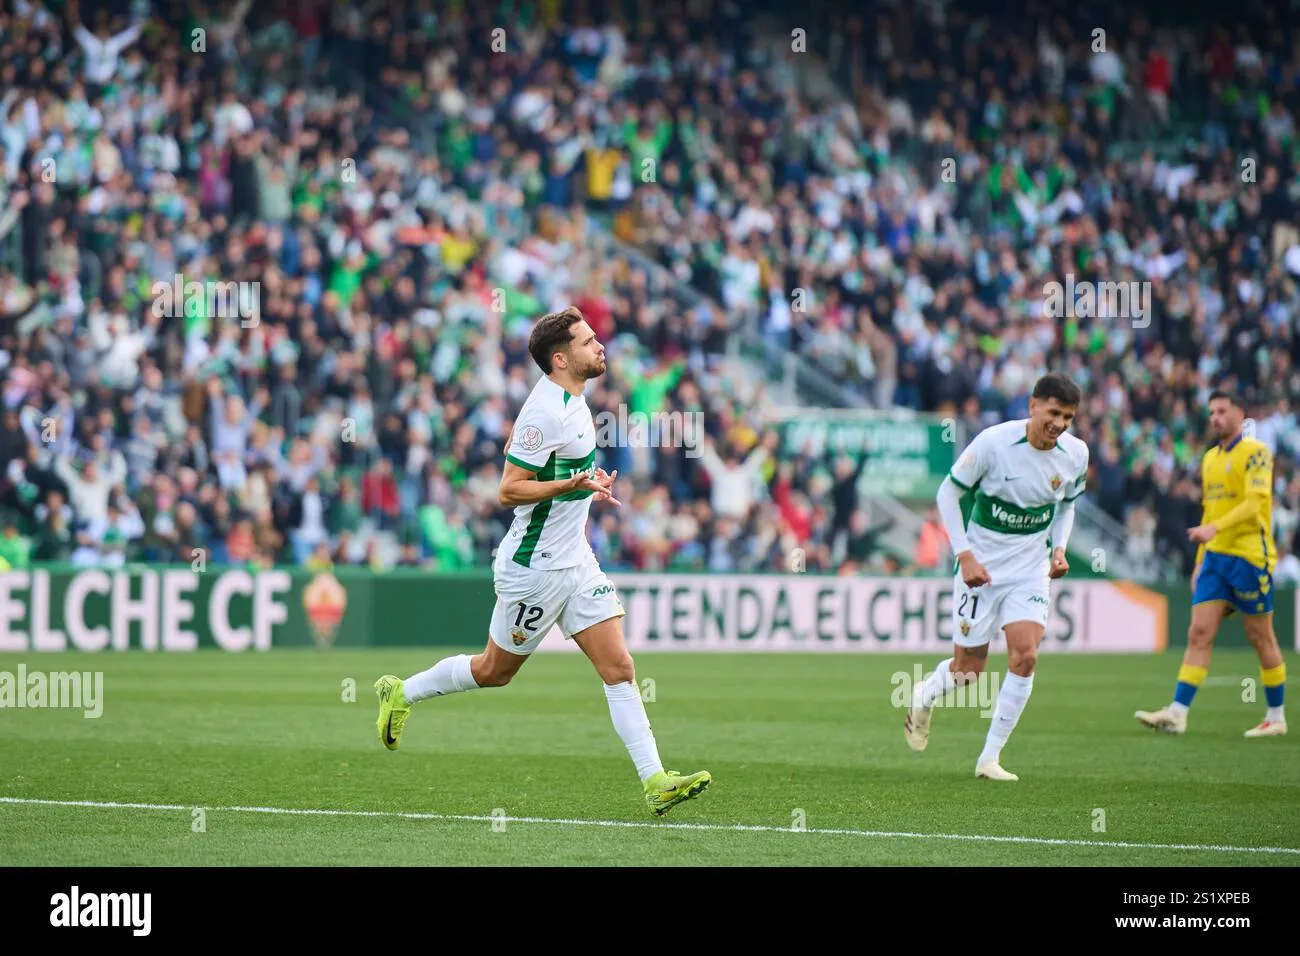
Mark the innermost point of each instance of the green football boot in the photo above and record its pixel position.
(668, 788)
(393, 710)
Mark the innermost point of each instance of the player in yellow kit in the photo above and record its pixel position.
(1234, 567)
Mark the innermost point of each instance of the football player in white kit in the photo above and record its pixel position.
(545, 572)
(1025, 476)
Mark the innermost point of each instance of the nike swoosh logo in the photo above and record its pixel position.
(580, 434)
(1010, 477)
(388, 731)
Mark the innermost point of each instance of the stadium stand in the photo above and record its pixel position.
(402, 191)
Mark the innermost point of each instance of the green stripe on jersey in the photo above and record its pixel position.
(555, 469)
(1002, 516)
(532, 534)
(527, 466)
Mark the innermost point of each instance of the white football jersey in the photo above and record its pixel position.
(1017, 489)
(554, 437)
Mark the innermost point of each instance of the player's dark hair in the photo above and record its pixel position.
(552, 334)
(1060, 387)
(1232, 397)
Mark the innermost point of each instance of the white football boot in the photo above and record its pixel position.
(1269, 728)
(992, 770)
(916, 725)
(1165, 719)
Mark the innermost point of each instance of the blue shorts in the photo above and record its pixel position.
(1225, 577)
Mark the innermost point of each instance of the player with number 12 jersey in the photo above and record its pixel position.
(544, 572)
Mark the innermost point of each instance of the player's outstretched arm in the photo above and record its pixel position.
(519, 486)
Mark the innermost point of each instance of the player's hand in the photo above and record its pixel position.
(1060, 567)
(598, 484)
(606, 481)
(1202, 534)
(973, 574)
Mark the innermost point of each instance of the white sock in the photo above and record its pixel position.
(449, 676)
(1176, 708)
(937, 686)
(1276, 715)
(1011, 704)
(627, 711)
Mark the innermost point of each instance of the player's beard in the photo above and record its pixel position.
(594, 370)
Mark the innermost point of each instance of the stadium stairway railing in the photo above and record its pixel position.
(803, 382)
(901, 537)
(1103, 542)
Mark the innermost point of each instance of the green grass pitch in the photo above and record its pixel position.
(807, 754)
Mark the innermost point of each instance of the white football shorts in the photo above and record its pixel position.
(978, 614)
(530, 602)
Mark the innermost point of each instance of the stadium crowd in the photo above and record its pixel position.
(404, 190)
(908, 243)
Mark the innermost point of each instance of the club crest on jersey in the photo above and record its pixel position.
(1056, 482)
(531, 438)
(965, 628)
(518, 636)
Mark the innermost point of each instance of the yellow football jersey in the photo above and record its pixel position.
(1237, 498)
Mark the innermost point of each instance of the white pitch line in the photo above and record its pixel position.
(635, 824)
